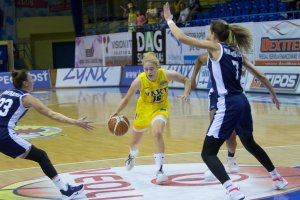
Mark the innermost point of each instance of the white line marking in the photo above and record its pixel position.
(116, 159)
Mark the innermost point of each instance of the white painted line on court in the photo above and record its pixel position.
(116, 159)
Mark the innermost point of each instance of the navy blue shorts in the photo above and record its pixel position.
(233, 112)
(11, 144)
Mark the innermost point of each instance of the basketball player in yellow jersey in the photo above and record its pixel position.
(152, 108)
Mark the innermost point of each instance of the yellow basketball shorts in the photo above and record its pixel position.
(145, 113)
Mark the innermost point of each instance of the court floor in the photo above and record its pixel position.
(72, 149)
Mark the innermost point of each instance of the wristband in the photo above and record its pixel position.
(170, 22)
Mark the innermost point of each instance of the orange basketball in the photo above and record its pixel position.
(118, 125)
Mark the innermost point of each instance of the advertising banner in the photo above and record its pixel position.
(41, 79)
(283, 79)
(179, 53)
(88, 77)
(129, 73)
(117, 49)
(278, 43)
(185, 70)
(89, 51)
(148, 41)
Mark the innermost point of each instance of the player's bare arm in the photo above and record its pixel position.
(175, 76)
(31, 102)
(135, 85)
(262, 78)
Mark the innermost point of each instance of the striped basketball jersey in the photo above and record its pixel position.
(226, 71)
(154, 92)
(11, 108)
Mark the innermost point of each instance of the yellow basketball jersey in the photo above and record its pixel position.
(154, 92)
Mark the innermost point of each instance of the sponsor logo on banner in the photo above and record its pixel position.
(89, 76)
(148, 41)
(41, 79)
(88, 51)
(280, 81)
(279, 43)
(185, 70)
(129, 73)
(118, 49)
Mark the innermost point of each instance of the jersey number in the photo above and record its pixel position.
(236, 64)
(5, 105)
(157, 98)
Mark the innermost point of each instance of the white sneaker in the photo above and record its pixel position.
(235, 194)
(129, 163)
(279, 183)
(232, 166)
(161, 177)
(209, 176)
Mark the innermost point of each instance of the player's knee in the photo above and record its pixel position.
(37, 155)
(204, 155)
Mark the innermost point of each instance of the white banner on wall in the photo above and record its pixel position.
(278, 43)
(89, 51)
(88, 77)
(179, 53)
(118, 48)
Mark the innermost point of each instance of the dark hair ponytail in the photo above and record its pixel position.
(235, 35)
(18, 76)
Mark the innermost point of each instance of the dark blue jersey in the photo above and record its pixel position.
(226, 71)
(11, 108)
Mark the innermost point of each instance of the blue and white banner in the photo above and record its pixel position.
(129, 73)
(185, 70)
(41, 79)
(88, 77)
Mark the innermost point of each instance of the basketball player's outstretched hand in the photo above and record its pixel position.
(276, 102)
(167, 12)
(81, 122)
(184, 98)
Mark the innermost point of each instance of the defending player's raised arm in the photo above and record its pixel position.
(202, 58)
(30, 101)
(262, 78)
(135, 85)
(175, 76)
(182, 37)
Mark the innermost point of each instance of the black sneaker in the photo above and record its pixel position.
(72, 191)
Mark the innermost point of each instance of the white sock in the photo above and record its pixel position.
(228, 185)
(274, 174)
(134, 153)
(60, 183)
(159, 160)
